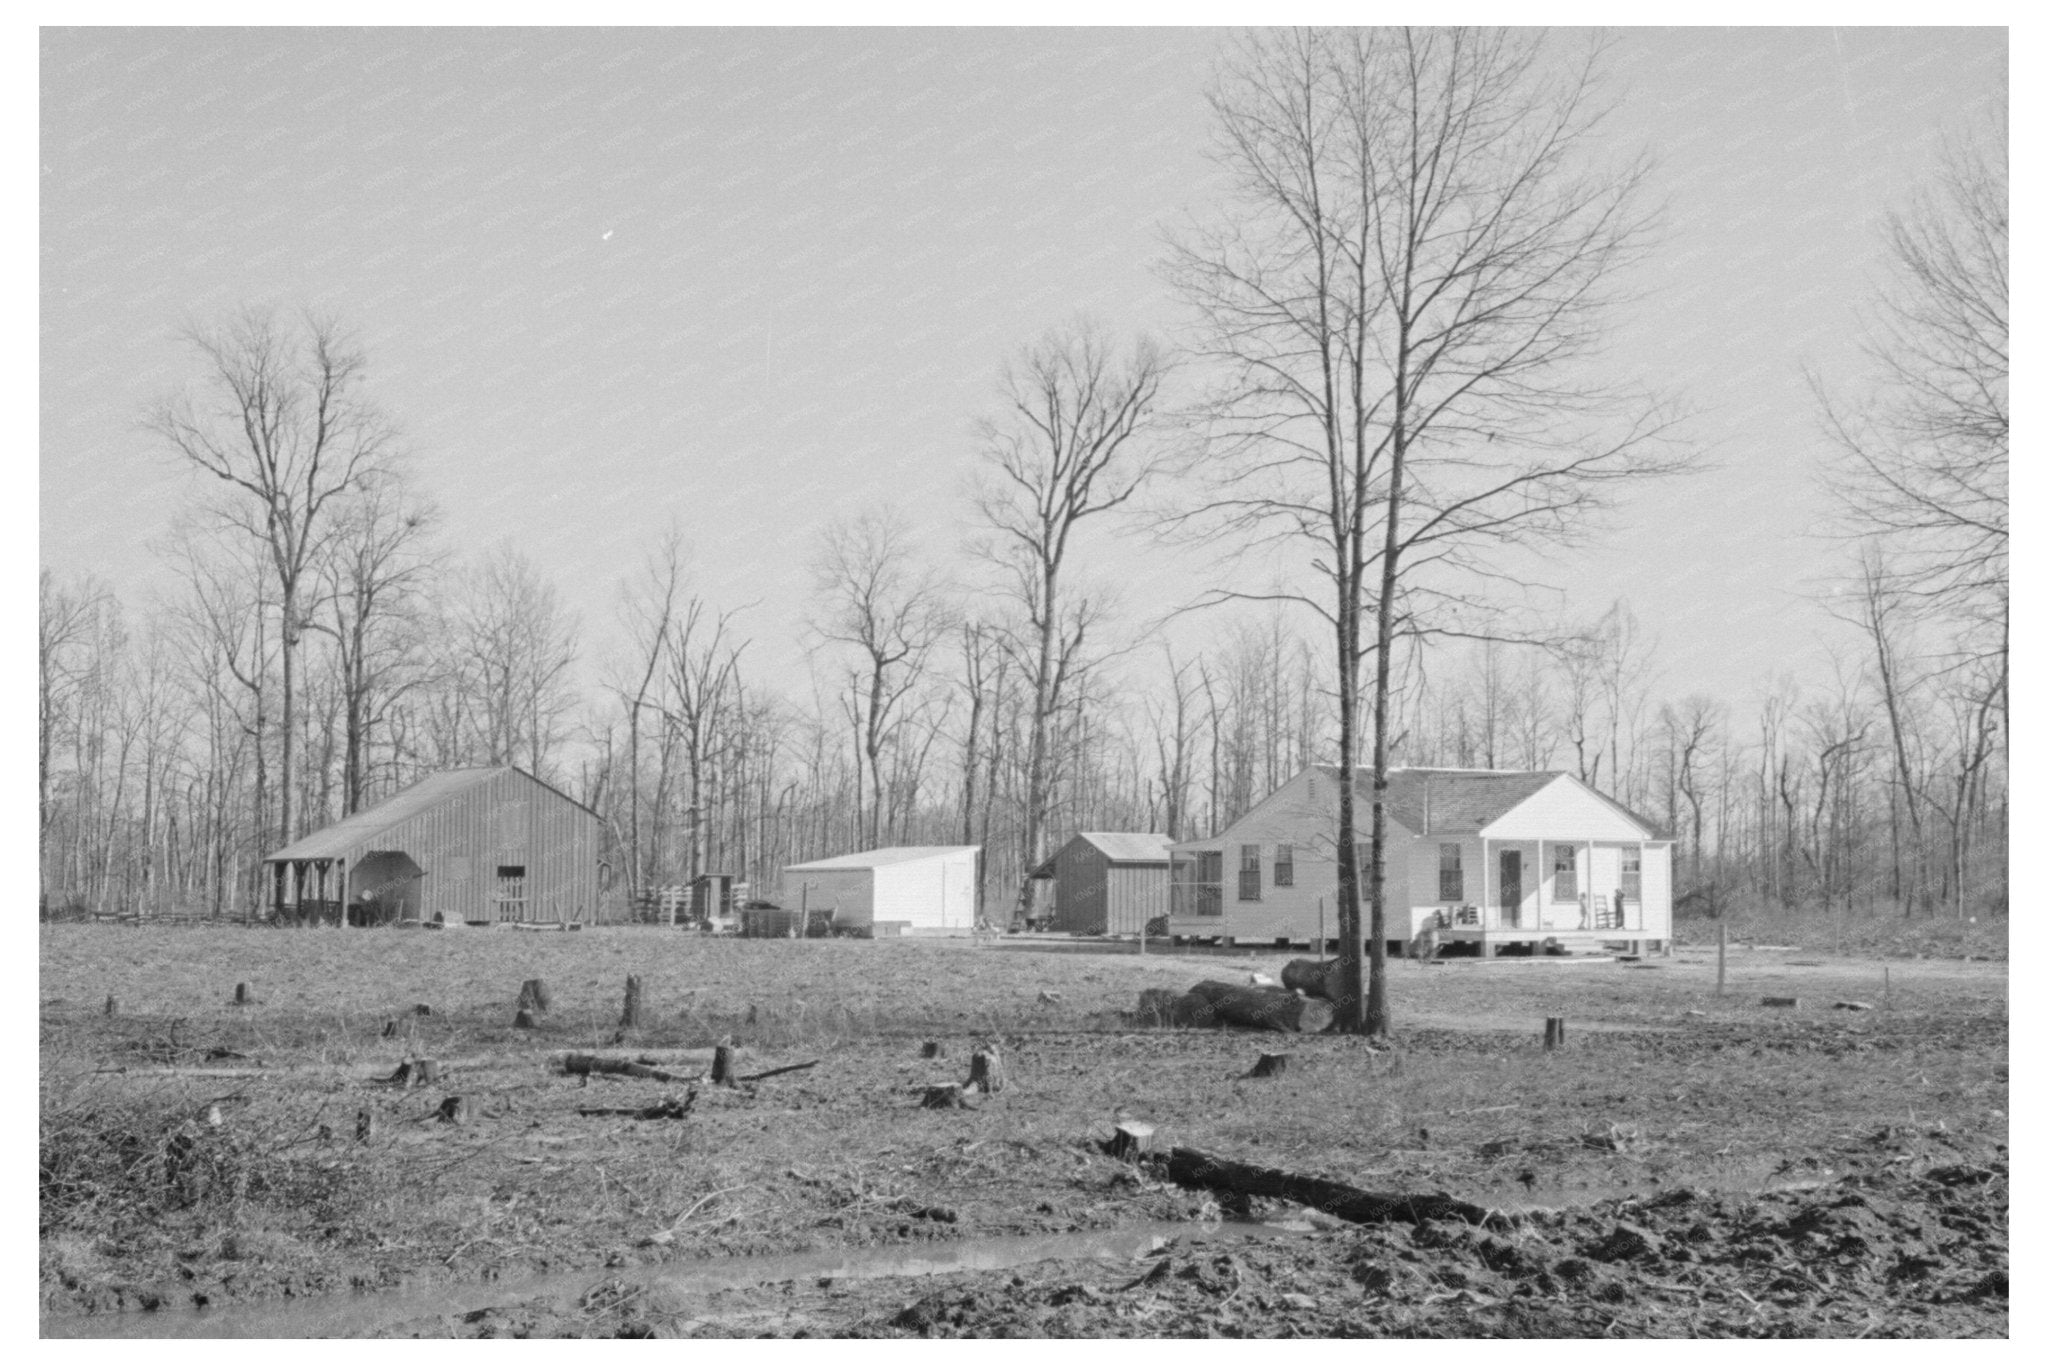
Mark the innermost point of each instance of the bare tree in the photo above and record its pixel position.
(891, 613)
(282, 421)
(647, 608)
(374, 581)
(1407, 293)
(1923, 450)
(1067, 446)
(506, 683)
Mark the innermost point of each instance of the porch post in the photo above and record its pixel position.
(1542, 870)
(1485, 880)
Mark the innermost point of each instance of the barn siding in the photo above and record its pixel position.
(848, 892)
(1657, 891)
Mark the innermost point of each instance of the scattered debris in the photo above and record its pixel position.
(455, 1109)
(1048, 997)
(1854, 1005)
(1783, 1002)
(589, 1064)
(1199, 1170)
(1269, 1064)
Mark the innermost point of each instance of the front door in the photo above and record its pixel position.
(1511, 887)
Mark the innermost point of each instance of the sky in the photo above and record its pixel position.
(751, 280)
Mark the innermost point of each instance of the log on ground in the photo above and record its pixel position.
(1281, 1011)
(591, 1064)
(1201, 1171)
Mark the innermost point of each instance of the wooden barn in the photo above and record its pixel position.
(468, 846)
(1107, 883)
(921, 890)
(1494, 859)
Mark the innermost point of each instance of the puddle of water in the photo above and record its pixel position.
(342, 1315)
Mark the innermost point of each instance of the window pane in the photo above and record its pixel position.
(1283, 865)
(1450, 872)
(1248, 872)
(1565, 865)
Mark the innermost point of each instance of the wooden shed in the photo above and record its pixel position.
(1108, 883)
(472, 846)
(927, 889)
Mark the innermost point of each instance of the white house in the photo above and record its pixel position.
(926, 890)
(1493, 857)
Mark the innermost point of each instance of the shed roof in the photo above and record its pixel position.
(882, 857)
(363, 828)
(1117, 848)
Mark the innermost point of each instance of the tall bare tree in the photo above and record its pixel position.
(879, 602)
(1923, 448)
(1406, 293)
(282, 420)
(1068, 444)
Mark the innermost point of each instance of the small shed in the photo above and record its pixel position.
(471, 845)
(926, 889)
(1108, 883)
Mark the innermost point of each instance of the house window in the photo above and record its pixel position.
(1450, 872)
(1632, 873)
(1564, 869)
(1248, 872)
(1283, 865)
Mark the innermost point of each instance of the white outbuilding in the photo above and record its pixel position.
(922, 890)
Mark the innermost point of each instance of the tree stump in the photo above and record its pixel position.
(951, 1095)
(1132, 1140)
(1161, 1007)
(629, 1017)
(426, 1071)
(535, 996)
(1269, 1064)
(933, 1048)
(1553, 1033)
(985, 1071)
(455, 1109)
(524, 1019)
(423, 1011)
(1783, 1002)
(366, 1125)
(113, 1007)
(723, 1065)
(242, 996)
(390, 1028)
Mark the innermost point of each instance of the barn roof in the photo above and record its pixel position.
(1432, 800)
(362, 829)
(882, 857)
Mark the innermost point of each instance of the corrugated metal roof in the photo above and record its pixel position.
(882, 857)
(361, 829)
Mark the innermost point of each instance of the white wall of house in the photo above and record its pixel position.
(1566, 809)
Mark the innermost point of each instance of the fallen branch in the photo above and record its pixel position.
(780, 1071)
(1201, 1171)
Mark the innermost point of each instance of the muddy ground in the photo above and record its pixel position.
(199, 1153)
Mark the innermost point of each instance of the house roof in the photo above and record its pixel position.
(1118, 848)
(882, 857)
(1446, 800)
(362, 829)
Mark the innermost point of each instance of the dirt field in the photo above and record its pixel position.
(1647, 1163)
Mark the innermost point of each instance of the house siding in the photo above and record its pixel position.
(849, 893)
(1564, 810)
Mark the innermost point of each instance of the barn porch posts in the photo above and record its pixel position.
(300, 891)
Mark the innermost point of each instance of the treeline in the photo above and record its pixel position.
(158, 739)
